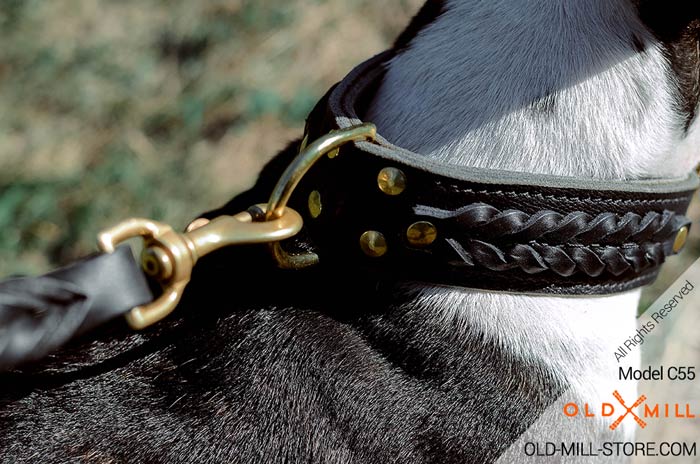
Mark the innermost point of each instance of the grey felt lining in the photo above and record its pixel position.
(344, 98)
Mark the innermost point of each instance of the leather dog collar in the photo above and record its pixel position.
(399, 215)
(376, 209)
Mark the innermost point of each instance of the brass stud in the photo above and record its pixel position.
(391, 181)
(681, 238)
(315, 205)
(421, 234)
(373, 244)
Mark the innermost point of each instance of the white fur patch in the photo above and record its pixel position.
(576, 337)
(539, 86)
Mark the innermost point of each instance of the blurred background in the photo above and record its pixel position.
(159, 109)
(163, 109)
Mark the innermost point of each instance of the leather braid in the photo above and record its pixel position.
(565, 244)
(564, 260)
(482, 221)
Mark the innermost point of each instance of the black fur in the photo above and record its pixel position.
(319, 368)
(312, 367)
(677, 26)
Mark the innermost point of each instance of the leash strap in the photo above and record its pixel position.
(40, 314)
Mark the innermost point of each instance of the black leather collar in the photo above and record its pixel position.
(496, 230)
(474, 228)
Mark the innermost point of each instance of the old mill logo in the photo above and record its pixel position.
(622, 411)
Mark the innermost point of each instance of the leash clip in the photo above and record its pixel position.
(169, 256)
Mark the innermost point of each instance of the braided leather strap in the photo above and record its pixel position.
(563, 243)
(512, 226)
(563, 260)
(519, 232)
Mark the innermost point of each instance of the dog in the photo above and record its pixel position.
(260, 365)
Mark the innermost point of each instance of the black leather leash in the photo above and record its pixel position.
(40, 314)
(376, 208)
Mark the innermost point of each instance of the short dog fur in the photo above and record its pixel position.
(324, 368)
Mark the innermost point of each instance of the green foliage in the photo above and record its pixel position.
(119, 109)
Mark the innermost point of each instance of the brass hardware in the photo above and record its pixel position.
(391, 181)
(286, 261)
(315, 205)
(170, 256)
(336, 152)
(373, 244)
(304, 142)
(302, 163)
(421, 234)
(293, 175)
(156, 263)
(681, 238)
(197, 223)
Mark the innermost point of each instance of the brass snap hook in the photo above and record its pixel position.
(169, 256)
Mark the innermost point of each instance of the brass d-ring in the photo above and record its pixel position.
(293, 175)
(307, 158)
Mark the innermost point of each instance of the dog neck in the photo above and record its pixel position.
(569, 88)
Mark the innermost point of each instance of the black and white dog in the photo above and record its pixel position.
(323, 369)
